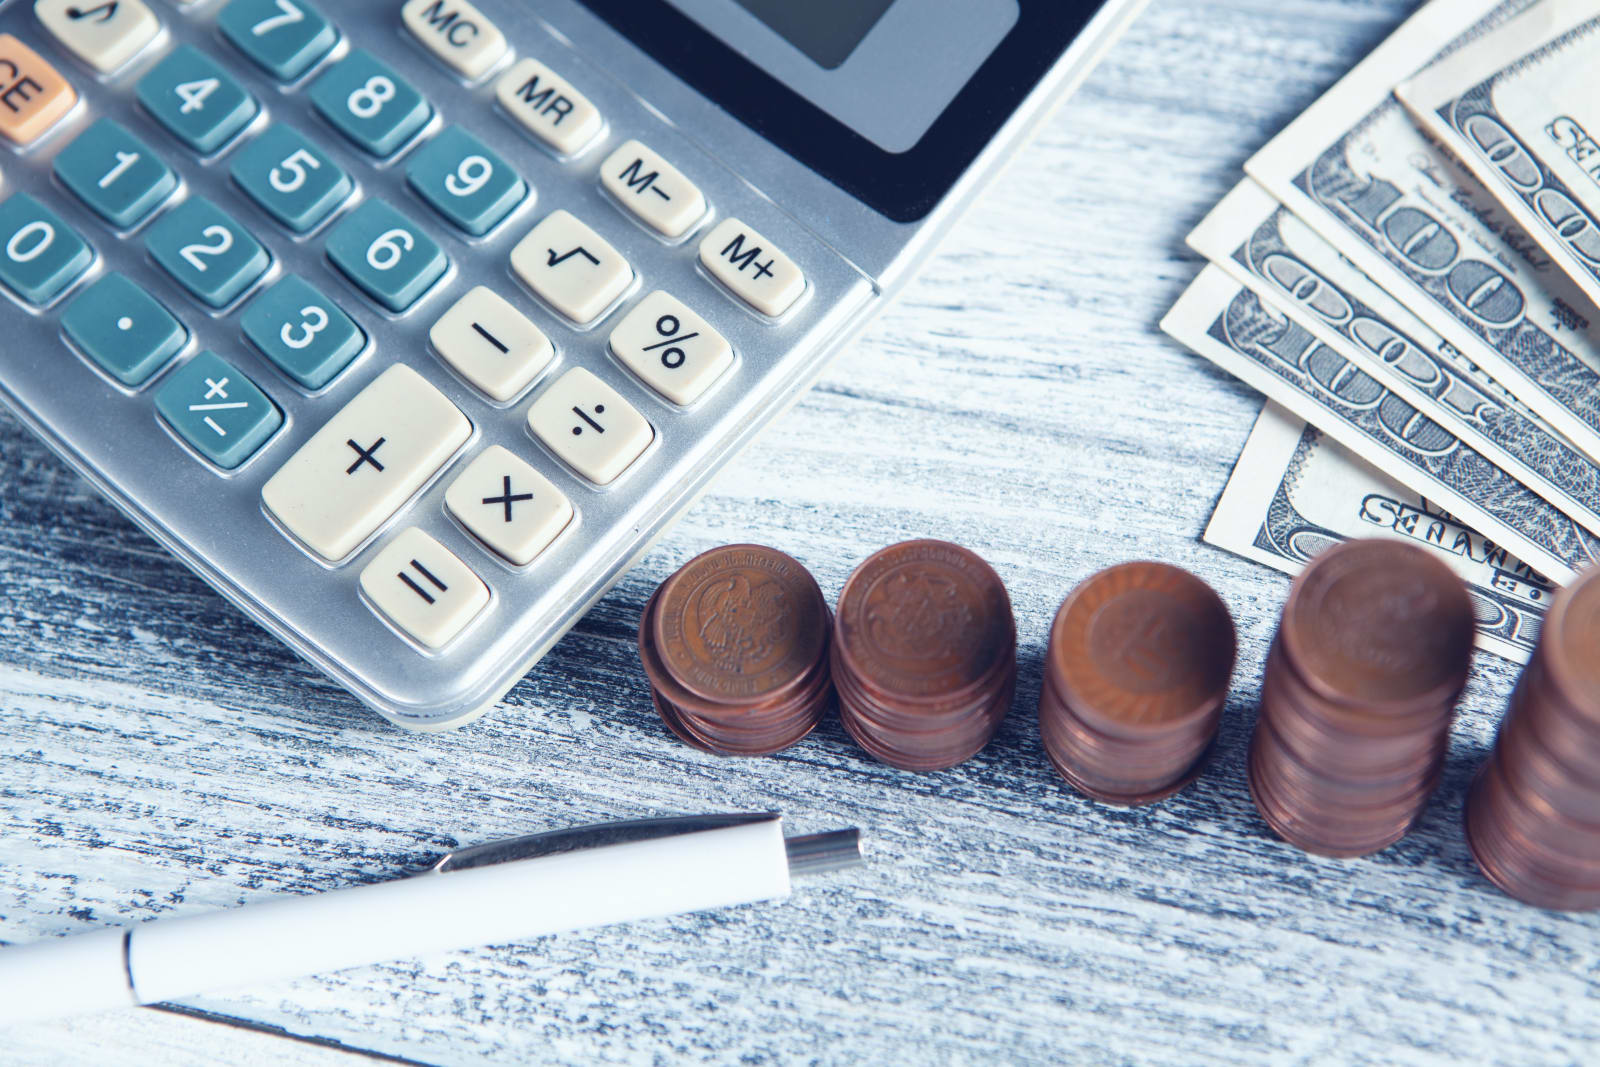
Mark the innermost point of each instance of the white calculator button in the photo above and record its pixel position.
(653, 189)
(105, 35)
(753, 267)
(491, 344)
(457, 33)
(508, 505)
(421, 587)
(369, 459)
(588, 424)
(675, 351)
(547, 106)
(571, 267)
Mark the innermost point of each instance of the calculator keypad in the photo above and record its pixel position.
(33, 94)
(291, 179)
(457, 33)
(197, 101)
(424, 589)
(465, 182)
(303, 333)
(40, 256)
(386, 255)
(221, 413)
(574, 269)
(285, 38)
(123, 329)
(104, 36)
(588, 424)
(508, 505)
(547, 106)
(652, 190)
(366, 462)
(207, 252)
(491, 344)
(373, 107)
(118, 176)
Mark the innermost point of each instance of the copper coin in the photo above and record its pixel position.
(1570, 642)
(1120, 785)
(1507, 871)
(1379, 622)
(942, 758)
(1571, 740)
(1545, 828)
(1378, 724)
(1533, 771)
(1308, 731)
(1141, 647)
(738, 623)
(924, 618)
(1530, 859)
(1101, 754)
(1336, 785)
(1298, 827)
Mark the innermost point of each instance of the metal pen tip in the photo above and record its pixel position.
(820, 853)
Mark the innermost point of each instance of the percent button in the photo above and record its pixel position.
(673, 350)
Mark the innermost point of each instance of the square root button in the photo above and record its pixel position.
(572, 268)
(423, 589)
(508, 505)
(588, 424)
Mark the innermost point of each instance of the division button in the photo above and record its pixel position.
(752, 267)
(508, 505)
(491, 344)
(370, 458)
(123, 329)
(104, 35)
(217, 410)
(571, 267)
(424, 589)
(547, 106)
(33, 95)
(673, 350)
(457, 33)
(652, 189)
(588, 424)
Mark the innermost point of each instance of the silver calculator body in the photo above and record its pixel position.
(836, 141)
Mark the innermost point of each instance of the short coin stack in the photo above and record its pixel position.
(924, 655)
(1135, 679)
(1360, 690)
(736, 648)
(1533, 817)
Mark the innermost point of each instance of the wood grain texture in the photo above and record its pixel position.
(163, 756)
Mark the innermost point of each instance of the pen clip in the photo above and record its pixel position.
(596, 835)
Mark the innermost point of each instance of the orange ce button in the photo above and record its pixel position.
(33, 96)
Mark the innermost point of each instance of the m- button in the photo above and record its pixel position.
(752, 267)
(33, 95)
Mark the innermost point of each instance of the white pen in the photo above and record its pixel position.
(504, 891)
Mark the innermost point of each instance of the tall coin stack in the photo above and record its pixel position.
(924, 655)
(1533, 816)
(1360, 690)
(1137, 672)
(736, 648)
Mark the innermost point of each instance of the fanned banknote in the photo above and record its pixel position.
(1231, 326)
(1295, 492)
(1265, 248)
(1358, 170)
(1518, 107)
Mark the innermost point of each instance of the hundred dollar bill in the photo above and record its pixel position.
(1233, 328)
(1271, 252)
(1294, 492)
(1360, 172)
(1519, 108)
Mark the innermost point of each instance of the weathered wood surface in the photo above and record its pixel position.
(162, 756)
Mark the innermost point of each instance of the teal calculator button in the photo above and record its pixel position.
(197, 101)
(291, 179)
(465, 182)
(370, 104)
(207, 252)
(308, 336)
(386, 255)
(116, 174)
(40, 256)
(217, 410)
(123, 328)
(285, 38)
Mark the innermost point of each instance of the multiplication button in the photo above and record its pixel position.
(588, 424)
(508, 505)
(752, 267)
(571, 267)
(672, 349)
(424, 589)
(368, 460)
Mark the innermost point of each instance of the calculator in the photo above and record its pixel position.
(409, 326)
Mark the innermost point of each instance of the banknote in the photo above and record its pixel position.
(1233, 328)
(1294, 492)
(1268, 250)
(1518, 108)
(1360, 172)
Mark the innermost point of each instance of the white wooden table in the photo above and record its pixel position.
(162, 756)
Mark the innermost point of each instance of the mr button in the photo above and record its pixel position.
(33, 96)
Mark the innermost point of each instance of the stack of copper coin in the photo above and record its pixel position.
(736, 648)
(1360, 690)
(1533, 817)
(1135, 679)
(924, 655)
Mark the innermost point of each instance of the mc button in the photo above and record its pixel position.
(33, 96)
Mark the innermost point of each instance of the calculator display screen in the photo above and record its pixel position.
(891, 100)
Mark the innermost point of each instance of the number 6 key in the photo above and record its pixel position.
(386, 255)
